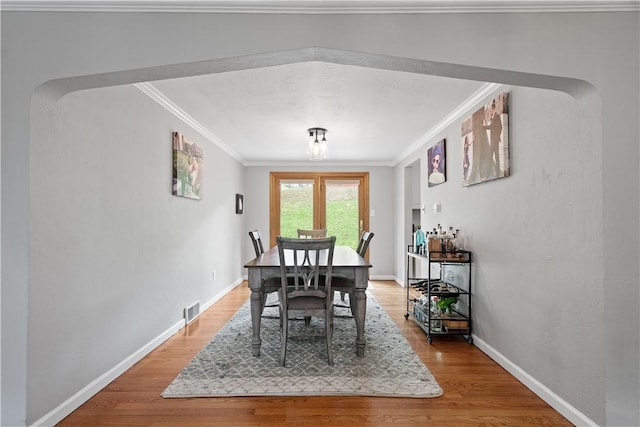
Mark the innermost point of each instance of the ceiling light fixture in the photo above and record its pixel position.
(317, 147)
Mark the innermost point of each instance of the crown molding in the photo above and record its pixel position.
(460, 111)
(319, 164)
(152, 92)
(322, 6)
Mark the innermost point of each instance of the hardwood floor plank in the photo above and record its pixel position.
(477, 391)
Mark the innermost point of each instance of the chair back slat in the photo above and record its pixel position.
(303, 260)
(363, 244)
(257, 242)
(312, 234)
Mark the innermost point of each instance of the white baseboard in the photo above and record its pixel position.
(556, 402)
(71, 404)
(219, 296)
(382, 277)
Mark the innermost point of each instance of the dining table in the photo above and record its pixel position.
(346, 263)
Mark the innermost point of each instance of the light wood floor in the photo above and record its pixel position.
(477, 392)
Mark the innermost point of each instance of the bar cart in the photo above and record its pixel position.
(440, 303)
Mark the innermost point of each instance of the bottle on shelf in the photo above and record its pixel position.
(460, 240)
(443, 239)
(433, 242)
(419, 241)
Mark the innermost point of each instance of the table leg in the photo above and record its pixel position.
(255, 281)
(361, 282)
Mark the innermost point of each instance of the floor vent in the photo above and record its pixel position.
(191, 312)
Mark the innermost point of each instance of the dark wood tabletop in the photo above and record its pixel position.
(343, 256)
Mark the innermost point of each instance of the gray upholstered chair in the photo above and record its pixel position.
(271, 284)
(312, 234)
(344, 284)
(303, 290)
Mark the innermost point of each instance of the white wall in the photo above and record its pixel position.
(525, 49)
(114, 256)
(536, 241)
(381, 193)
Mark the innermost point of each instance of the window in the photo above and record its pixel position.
(336, 201)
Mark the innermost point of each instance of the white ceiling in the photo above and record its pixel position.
(261, 116)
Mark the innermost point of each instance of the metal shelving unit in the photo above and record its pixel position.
(448, 276)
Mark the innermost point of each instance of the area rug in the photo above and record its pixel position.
(225, 366)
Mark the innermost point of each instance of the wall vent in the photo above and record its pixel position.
(191, 312)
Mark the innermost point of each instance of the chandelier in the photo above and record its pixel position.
(317, 149)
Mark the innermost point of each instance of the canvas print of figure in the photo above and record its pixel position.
(485, 142)
(437, 172)
(187, 167)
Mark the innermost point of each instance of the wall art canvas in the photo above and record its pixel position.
(239, 203)
(188, 167)
(437, 171)
(485, 142)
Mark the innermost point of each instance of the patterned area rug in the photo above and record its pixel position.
(225, 367)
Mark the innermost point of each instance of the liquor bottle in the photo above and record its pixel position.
(433, 243)
(459, 240)
(419, 241)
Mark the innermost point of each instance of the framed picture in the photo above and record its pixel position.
(485, 142)
(437, 171)
(188, 167)
(239, 203)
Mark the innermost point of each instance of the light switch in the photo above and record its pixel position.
(437, 207)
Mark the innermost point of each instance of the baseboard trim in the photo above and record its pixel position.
(71, 404)
(221, 294)
(542, 391)
(382, 277)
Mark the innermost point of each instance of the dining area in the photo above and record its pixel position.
(307, 273)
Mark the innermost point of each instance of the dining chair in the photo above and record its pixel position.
(344, 284)
(312, 234)
(303, 290)
(271, 284)
(257, 242)
(363, 244)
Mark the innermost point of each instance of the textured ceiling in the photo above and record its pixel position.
(373, 116)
